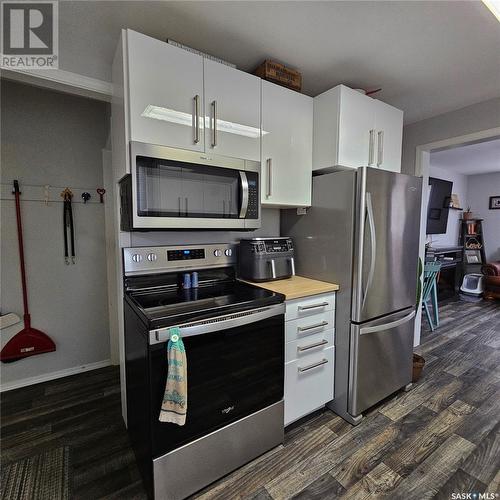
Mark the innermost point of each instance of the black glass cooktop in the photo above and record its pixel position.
(169, 306)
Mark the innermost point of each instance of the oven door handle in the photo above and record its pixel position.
(217, 323)
(244, 195)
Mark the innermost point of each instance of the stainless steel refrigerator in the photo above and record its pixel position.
(362, 232)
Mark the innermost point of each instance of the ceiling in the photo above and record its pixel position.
(429, 57)
(480, 158)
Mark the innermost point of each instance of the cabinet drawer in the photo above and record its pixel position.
(311, 345)
(304, 327)
(308, 384)
(309, 306)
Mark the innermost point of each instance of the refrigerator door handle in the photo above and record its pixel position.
(373, 249)
(387, 326)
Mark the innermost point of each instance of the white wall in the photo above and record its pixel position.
(450, 238)
(57, 139)
(474, 118)
(480, 188)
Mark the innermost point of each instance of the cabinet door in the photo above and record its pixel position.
(287, 123)
(356, 129)
(389, 126)
(232, 103)
(165, 91)
(309, 383)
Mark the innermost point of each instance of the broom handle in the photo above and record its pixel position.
(27, 320)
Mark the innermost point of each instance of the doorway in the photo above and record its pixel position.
(423, 163)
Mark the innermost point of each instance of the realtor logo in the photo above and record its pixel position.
(30, 35)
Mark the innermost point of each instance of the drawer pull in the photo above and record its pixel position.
(312, 306)
(314, 365)
(312, 346)
(311, 327)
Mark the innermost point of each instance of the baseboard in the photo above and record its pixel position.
(54, 375)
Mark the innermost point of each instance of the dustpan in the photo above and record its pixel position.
(29, 341)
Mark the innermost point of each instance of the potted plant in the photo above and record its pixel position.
(468, 214)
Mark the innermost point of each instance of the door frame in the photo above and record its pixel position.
(422, 168)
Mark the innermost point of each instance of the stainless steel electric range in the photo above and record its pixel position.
(234, 339)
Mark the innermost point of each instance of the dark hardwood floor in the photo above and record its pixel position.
(441, 437)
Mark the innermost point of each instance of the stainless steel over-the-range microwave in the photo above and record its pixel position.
(178, 189)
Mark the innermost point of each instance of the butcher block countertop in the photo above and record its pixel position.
(297, 286)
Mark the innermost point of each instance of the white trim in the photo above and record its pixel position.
(54, 375)
(455, 141)
(64, 81)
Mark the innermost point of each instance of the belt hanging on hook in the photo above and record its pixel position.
(67, 196)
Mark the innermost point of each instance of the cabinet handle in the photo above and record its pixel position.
(269, 162)
(380, 148)
(314, 365)
(186, 203)
(196, 119)
(214, 129)
(371, 147)
(312, 306)
(312, 346)
(311, 327)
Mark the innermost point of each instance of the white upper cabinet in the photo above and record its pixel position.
(287, 121)
(353, 130)
(389, 127)
(165, 93)
(232, 111)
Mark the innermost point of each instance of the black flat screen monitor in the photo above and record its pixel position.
(438, 207)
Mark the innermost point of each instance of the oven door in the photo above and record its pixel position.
(177, 189)
(235, 368)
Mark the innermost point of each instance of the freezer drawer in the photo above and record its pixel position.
(381, 359)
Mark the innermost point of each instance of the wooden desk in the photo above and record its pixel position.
(451, 268)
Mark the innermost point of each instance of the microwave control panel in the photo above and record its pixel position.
(253, 195)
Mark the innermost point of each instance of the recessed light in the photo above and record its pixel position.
(181, 118)
(494, 6)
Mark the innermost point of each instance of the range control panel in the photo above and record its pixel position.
(149, 260)
(186, 254)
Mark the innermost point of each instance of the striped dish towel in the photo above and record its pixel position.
(174, 406)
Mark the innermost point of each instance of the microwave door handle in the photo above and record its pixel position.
(244, 195)
(292, 266)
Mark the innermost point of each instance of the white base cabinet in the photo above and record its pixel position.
(309, 354)
(352, 130)
(287, 123)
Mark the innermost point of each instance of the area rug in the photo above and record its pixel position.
(39, 477)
